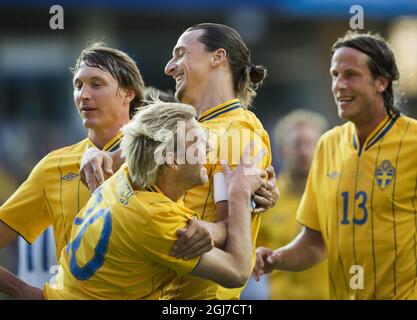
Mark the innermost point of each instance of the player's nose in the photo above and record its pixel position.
(170, 67)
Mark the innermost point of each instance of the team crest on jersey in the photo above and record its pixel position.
(70, 176)
(384, 174)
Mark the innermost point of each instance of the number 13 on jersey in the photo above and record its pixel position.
(360, 214)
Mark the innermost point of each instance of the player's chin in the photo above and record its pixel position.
(344, 114)
(179, 94)
(92, 123)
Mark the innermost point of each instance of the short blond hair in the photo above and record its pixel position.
(297, 117)
(146, 141)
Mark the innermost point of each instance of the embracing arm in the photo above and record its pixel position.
(231, 267)
(97, 165)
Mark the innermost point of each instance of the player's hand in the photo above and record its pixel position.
(247, 176)
(96, 166)
(265, 262)
(267, 196)
(193, 241)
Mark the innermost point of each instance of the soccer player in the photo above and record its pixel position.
(296, 136)
(214, 73)
(37, 259)
(120, 242)
(107, 88)
(359, 206)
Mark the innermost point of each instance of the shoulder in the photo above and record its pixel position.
(64, 155)
(247, 119)
(337, 133)
(75, 148)
(405, 121)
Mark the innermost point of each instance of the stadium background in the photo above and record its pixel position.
(290, 37)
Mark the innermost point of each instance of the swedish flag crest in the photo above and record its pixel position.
(384, 174)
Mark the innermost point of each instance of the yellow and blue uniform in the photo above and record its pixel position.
(7, 185)
(120, 243)
(230, 129)
(52, 195)
(279, 227)
(363, 201)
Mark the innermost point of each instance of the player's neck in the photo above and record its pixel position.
(213, 96)
(101, 137)
(171, 188)
(365, 128)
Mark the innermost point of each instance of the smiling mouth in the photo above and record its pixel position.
(86, 109)
(344, 101)
(178, 79)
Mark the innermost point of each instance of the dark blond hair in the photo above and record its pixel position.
(119, 65)
(147, 137)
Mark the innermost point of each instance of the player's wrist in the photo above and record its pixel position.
(236, 191)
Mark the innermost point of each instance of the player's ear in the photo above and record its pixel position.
(381, 84)
(218, 57)
(129, 95)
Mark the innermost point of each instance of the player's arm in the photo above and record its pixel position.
(200, 236)
(304, 252)
(7, 235)
(97, 165)
(25, 213)
(231, 267)
(11, 285)
(265, 197)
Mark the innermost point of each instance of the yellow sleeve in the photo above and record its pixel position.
(26, 210)
(234, 141)
(307, 213)
(159, 236)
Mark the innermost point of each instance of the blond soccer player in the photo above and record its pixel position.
(120, 242)
(213, 71)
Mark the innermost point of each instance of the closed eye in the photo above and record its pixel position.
(78, 85)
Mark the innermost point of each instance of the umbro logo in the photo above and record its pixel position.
(70, 176)
(333, 174)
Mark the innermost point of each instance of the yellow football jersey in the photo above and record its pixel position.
(279, 227)
(52, 195)
(120, 243)
(7, 185)
(364, 203)
(230, 129)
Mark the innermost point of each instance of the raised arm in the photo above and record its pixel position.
(231, 267)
